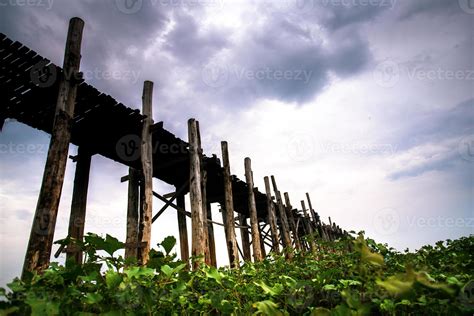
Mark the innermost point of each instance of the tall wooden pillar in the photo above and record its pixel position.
(262, 241)
(210, 237)
(132, 213)
(271, 216)
(146, 212)
(257, 251)
(291, 220)
(207, 255)
(313, 213)
(228, 211)
(195, 193)
(244, 235)
(311, 241)
(79, 202)
(183, 230)
(285, 230)
(42, 232)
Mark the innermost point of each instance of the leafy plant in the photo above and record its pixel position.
(350, 276)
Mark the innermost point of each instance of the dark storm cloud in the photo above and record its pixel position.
(188, 45)
(285, 59)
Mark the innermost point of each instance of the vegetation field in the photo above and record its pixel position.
(351, 276)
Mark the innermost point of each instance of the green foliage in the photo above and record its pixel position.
(351, 276)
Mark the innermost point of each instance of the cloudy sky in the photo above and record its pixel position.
(365, 104)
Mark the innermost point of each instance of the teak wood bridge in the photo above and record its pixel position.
(57, 100)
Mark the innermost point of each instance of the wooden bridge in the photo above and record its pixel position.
(57, 101)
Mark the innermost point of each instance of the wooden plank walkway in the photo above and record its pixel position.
(29, 85)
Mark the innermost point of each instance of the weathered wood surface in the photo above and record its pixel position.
(256, 247)
(197, 214)
(228, 211)
(285, 230)
(309, 229)
(79, 202)
(291, 220)
(244, 235)
(42, 232)
(183, 230)
(132, 213)
(147, 171)
(272, 217)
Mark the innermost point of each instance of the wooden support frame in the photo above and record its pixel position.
(256, 247)
(40, 243)
(244, 235)
(195, 193)
(272, 216)
(132, 213)
(285, 230)
(183, 230)
(210, 237)
(169, 202)
(311, 240)
(291, 220)
(207, 255)
(77, 218)
(146, 211)
(228, 210)
(262, 241)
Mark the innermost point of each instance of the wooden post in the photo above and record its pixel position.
(197, 213)
(132, 213)
(262, 241)
(228, 211)
(147, 167)
(291, 220)
(313, 213)
(210, 237)
(207, 255)
(183, 230)
(244, 234)
(271, 216)
(79, 202)
(312, 243)
(285, 230)
(257, 251)
(42, 232)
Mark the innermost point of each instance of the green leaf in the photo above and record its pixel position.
(267, 308)
(137, 272)
(168, 243)
(275, 290)
(397, 285)
(321, 311)
(113, 279)
(213, 273)
(329, 287)
(112, 244)
(92, 298)
(167, 270)
(42, 306)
